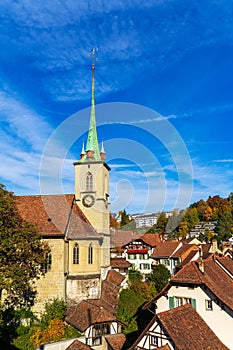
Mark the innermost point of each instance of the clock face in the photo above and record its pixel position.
(88, 200)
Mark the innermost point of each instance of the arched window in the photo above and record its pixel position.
(90, 254)
(48, 263)
(76, 254)
(89, 182)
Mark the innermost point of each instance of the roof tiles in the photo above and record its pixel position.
(115, 341)
(86, 313)
(188, 330)
(218, 281)
(55, 215)
(165, 249)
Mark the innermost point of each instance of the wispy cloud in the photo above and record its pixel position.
(223, 161)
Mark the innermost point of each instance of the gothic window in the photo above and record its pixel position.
(89, 182)
(76, 254)
(48, 263)
(90, 254)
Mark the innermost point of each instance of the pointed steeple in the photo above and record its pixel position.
(92, 147)
(102, 151)
(82, 154)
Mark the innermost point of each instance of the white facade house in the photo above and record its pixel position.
(138, 252)
(145, 220)
(208, 287)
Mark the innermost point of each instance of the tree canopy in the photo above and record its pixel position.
(159, 276)
(22, 253)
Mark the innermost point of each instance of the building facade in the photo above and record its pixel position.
(75, 226)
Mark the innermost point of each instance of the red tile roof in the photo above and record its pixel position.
(115, 341)
(78, 345)
(120, 263)
(55, 215)
(120, 238)
(188, 330)
(165, 249)
(109, 296)
(152, 239)
(185, 328)
(218, 281)
(115, 277)
(184, 250)
(86, 313)
(214, 278)
(226, 262)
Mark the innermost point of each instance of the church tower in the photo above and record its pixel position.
(92, 182)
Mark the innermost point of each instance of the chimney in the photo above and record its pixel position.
(200, 262)
(214, 246)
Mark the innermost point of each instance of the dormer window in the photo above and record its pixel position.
(89, 182)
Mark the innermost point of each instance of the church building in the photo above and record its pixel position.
(76, 227)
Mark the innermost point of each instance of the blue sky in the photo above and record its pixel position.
(163, 94)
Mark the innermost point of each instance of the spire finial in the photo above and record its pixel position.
(93, 59)
(92, 147)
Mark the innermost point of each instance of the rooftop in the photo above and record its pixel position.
(55, 215)
(165, 249)
(186, 329)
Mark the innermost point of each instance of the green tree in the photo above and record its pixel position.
(54, 309)
(124, 218)
(161, 223)
(201, 206)
(126, 222)
(159, 276)
(182, 229)
(230, 198)
(132, 298)
(224, 226)
(50, 328)
(22, 253)
(173, 222)
(191, 218)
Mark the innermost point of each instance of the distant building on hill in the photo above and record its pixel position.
(145, 220)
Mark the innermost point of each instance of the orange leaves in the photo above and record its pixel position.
(54, 332)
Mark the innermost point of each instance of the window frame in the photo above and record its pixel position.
(89, 181)
(90, 254)
(208, 304)
(76, 254)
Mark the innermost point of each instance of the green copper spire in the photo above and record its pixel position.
(92, 139)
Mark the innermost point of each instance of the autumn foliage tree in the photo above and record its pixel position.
(22, 253)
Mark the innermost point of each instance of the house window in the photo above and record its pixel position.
(48, 263)
(100, 329)
(90, 254)
(178, 301)
(153, 340)
(209, 305)
(132, 256)
(144, 266)
(76, 254)
(89, 182)
(166, 262)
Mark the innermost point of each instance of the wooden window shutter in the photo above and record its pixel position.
(171, 302)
